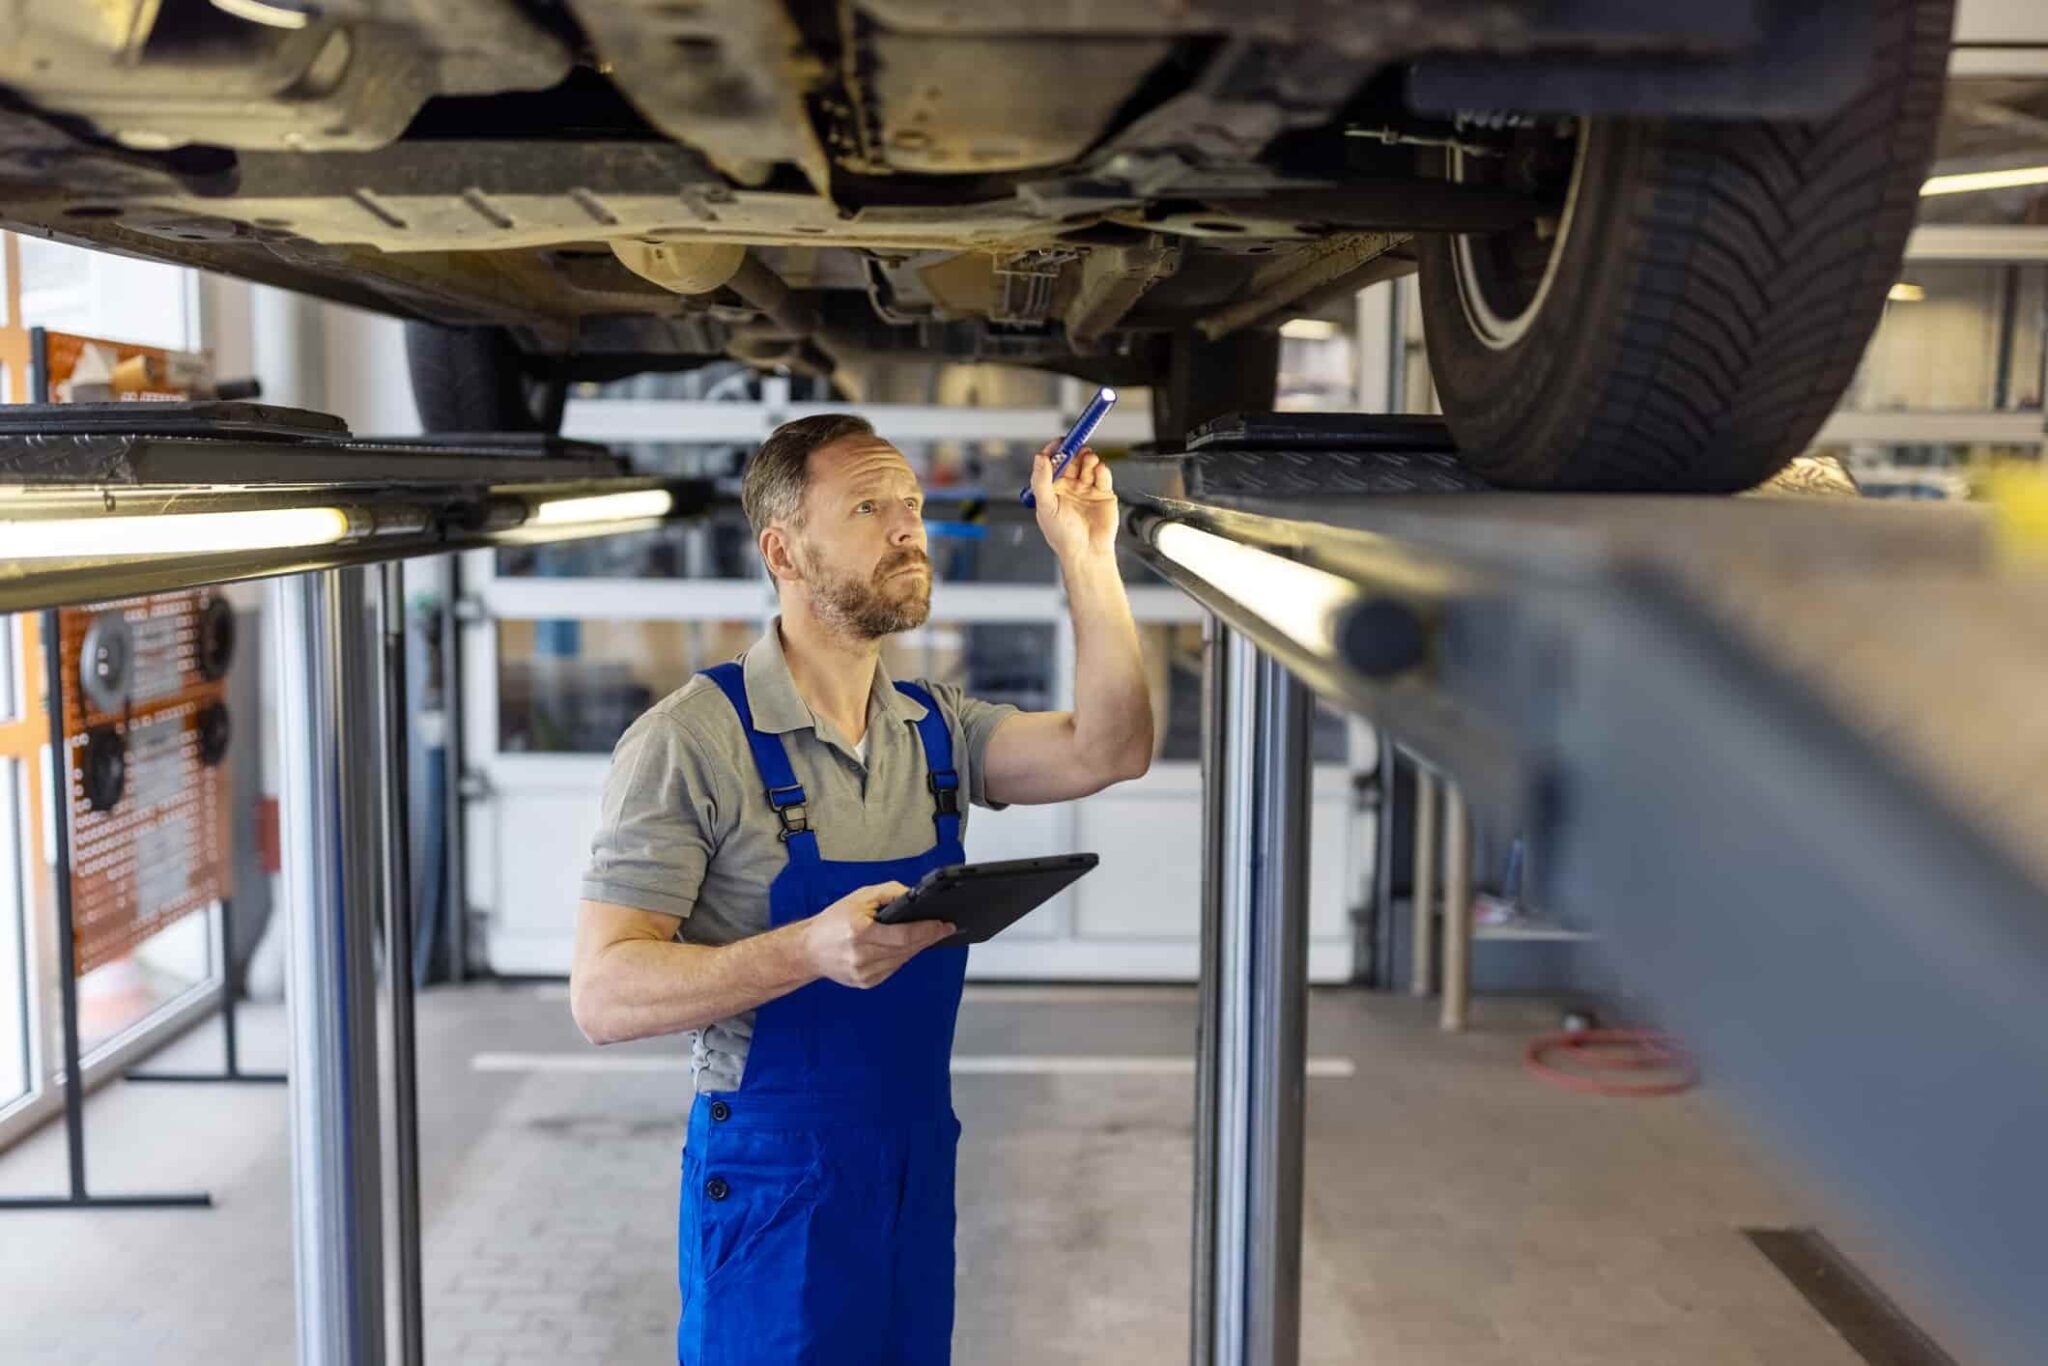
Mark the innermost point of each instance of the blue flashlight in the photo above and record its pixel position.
(1076, 437)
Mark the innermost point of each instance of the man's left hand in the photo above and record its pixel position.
(1077, 512)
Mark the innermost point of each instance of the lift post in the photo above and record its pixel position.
(399, 916)
(1251, 1082)
(331, 828)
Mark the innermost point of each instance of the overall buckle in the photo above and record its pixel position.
(945, 790)
(788, 803)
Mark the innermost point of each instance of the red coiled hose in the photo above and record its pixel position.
(1594, 1052)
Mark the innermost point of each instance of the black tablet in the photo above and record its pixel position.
(984, 899)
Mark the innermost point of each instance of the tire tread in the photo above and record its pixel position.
(1760, 254)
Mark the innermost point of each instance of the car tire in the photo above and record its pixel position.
(470, 379)
(1198, 379)
(1707, 295)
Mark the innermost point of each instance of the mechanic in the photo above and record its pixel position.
(753, 823)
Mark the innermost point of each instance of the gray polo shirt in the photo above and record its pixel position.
(686, 829)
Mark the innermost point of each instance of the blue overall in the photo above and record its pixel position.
(817, 1201)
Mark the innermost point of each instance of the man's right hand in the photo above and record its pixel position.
(845, 943)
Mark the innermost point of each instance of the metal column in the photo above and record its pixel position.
(1215, 701)
(1247, 1301)
(1423, 920)
(330, 820)
(398, 965)
(455, 886)
(1377, 947)
(1457, 907)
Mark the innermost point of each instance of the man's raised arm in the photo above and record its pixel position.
(1107, 737)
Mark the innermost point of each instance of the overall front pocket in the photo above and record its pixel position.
(753, 1194)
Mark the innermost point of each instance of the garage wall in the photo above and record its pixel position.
(1940, 351)
(2001, 21)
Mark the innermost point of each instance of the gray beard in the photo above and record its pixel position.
(863, 609)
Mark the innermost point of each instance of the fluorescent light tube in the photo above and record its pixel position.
(1301, 602)
(186, 533)
(1966, 181)
(258, 12)
(1308, 329)
(604, 507)
(1905, 293)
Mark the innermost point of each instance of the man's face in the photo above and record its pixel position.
(862, 545)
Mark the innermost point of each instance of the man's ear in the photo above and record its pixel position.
(779, 554)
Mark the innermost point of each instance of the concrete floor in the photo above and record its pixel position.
(1458, 1210)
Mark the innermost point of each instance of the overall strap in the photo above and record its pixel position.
(785, 794)
(941, 777)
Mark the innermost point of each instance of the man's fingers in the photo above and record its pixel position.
(929, 933)
(1041, 474)
(907, 938)
(910, 936)
(882, 893)
(887, 936)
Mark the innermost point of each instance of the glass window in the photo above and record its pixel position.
(1318, 366)
(720, 547)
(572, 687)
(1955, 336)
(10, 664)
(98, 294)
(1173, 673)
(997, 661)
(118, 996)
(14, 883)
(1173, 669)
(967, 546)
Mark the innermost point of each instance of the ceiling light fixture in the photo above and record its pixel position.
(640, 505)
(1966, 181)
(267, 12)
(185, 533)
(1309, 329)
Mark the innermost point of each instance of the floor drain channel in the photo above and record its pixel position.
(1864, 1316)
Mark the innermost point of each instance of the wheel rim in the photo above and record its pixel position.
(1504, 279)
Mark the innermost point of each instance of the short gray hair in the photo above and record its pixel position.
(772, 489)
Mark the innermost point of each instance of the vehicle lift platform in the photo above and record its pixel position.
(1735, 731)
(1730, 727)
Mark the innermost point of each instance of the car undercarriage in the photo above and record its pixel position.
(1136, 192)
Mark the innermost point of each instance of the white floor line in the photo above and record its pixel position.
(973, 1065)
(1053, 994)
(1011, 994)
